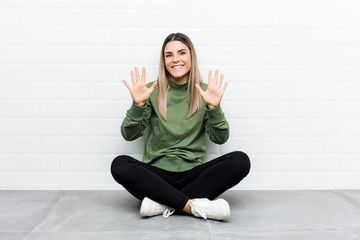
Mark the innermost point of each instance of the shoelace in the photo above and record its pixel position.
(200, 208)
(168, 212)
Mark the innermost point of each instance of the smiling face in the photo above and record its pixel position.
(177, 61)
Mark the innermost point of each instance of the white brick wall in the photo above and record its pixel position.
(292, 102)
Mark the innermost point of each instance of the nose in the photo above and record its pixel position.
(175, 58)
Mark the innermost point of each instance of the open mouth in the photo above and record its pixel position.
(178, 67)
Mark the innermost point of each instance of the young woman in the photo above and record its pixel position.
(175, 112)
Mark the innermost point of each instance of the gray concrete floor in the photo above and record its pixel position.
(107, 215)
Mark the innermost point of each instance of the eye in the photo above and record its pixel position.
(167, 55)
(182, 53)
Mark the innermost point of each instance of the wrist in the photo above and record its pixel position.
(210, 106)
(140, 104)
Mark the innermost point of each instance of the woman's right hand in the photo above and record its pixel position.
(139, 92)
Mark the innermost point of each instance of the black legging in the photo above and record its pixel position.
(174, 189)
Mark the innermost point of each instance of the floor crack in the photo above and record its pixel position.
(49, 212)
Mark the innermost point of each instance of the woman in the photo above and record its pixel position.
(176, 111)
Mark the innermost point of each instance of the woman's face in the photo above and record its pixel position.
(177, 61)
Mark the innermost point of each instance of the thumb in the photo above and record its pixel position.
(199, 89)
(153, 86)
(126, 84)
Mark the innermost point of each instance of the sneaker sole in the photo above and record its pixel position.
(226, 208)
(144, 205)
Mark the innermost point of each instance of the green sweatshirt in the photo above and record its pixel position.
(177, 144)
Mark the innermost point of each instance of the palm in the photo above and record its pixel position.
(214, 93)
(139, 91)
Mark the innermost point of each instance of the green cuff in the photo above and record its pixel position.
(215, 115)
(136, 112)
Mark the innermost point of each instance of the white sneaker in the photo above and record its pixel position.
(151, 208)
(218, 209)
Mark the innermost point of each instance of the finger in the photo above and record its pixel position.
(210, 78)
(221, 80)
(132, 77)
(127, 85)
(153, 86)
(216, 77)
(224, 87)
(143, 75)
(137, 74)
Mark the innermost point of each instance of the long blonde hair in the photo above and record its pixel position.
(193, 96)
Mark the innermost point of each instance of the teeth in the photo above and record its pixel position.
(177, 67)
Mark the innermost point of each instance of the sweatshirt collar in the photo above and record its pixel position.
(175, 85)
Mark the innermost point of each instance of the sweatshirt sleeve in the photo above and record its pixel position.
(135, 122)
(216, 125)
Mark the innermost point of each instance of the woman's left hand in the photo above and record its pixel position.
(214, 93)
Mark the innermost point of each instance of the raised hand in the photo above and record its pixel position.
(214, 93)
(139, 92)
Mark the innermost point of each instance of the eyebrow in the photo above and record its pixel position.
(178, 50)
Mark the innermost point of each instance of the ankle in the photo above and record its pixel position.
(187, 207)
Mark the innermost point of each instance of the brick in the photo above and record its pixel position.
(19, 35)
(56, 35)
(308, 145)
(64, 73)
(37, 54)
(10, 127)
(324, 74)
(20, 73)
(58, 145)
(16, 109)
(342, 145)
(245, 144)
(273, 145)
(2, 181)
(258, 110)
(36, 16)
(113, 91)
(40, 163)
(351, 127)
(22, 145)
(265, 181)
(16, 3)
(73, 17)
(9, 17)
(74, 55)
(38, 91)
(93, 36)
(9, 54)
(349, 163)
(272, 163)
(85, 127)
(11, 163)
(39, 127)
(7, 91)
(23, 181)
(349, 180)
(85, 162)
(116, 55)
(112, 17)
(55, 3)
(303, 180)
(95, 73)
(96, 3)
(56, 109)
(85, 181)
(102, 109)
(325, 37)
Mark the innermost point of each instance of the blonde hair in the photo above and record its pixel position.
(193, 96)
